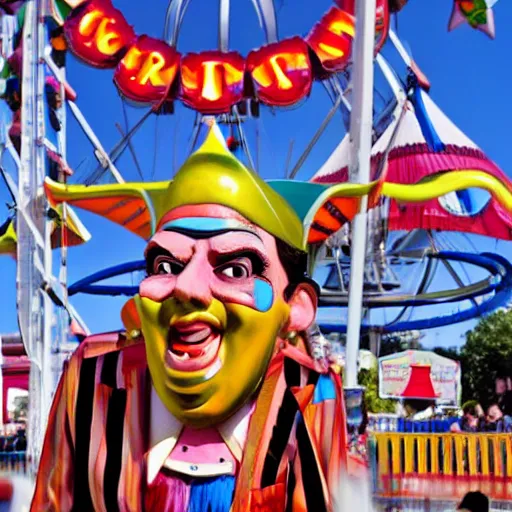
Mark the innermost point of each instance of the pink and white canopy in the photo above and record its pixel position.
(426, 143)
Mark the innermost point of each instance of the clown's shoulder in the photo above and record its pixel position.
(127, 340)
(111, 352)
(101, 344)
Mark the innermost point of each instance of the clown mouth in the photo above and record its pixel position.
(193, 346)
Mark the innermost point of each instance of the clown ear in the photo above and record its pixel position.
(131, 205)
(130, 316)
(323, 209)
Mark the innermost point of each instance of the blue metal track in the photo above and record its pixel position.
(86, 285)
(498, 266)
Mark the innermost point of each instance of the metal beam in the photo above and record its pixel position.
(361, 121)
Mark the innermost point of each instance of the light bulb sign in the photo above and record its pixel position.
(149, 71)
(98, 33)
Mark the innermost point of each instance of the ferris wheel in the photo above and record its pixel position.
(35, 39)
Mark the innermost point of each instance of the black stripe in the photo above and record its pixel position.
(313, 378)
(109, 369)
(312, 483)
(114, 439)
(284, 425)
(291, 372)
(115, 206)
(322, 229)
(134, 215)
(82, 501)
(333, 210)
(290, 487)
(280, 435)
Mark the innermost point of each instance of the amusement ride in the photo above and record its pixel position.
(395, 137)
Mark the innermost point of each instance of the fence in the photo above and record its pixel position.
(13, 462)
(392, 423)
(441, 466)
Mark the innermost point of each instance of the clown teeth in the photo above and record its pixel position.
(193, 346)
(194, 337)
(183, 356)
(187, 362)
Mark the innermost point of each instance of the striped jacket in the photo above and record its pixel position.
(93, 457)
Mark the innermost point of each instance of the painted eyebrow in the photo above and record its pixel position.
(225, 257)
(154, 249)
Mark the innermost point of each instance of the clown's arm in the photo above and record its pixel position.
(322, 448)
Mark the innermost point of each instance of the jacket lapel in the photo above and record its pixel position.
(259, 435)
(134, 378)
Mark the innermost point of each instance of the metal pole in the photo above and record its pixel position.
(35, 308)
(361, 121)
(107, 162)
(31, 248)
(224, 25)
(50, 338)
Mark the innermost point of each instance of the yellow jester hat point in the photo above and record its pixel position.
(298, 213)
(76, 233)
(8, 239)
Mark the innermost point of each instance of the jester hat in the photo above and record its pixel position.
(301, 214)
(288, 210)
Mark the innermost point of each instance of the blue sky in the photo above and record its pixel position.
(470, 76)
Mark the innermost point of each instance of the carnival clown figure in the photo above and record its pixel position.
(208, 400)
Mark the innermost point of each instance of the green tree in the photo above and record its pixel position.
(450, 353)
(486, 354)
(20, 408)
(370, 380)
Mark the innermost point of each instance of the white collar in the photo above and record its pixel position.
(165, 430)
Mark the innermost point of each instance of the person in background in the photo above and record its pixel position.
(496, 420)
(474, 502)
(503, 388)
(473, 419)
(418, 410)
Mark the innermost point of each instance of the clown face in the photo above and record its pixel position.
(213, 309)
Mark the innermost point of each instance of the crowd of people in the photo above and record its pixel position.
(496, 418)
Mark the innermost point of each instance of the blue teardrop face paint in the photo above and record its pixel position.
(263, 295)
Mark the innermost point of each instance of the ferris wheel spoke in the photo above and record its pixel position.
(267, 18)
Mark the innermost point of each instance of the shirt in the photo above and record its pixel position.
(195, 452)
(98, 437)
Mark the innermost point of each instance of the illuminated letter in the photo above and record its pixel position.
(147, 71)
(212, 82)
(331, 39)
(281, 72)
(87, 25)
(97, 33)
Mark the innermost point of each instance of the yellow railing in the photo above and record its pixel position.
(436, 458)
(444, 454)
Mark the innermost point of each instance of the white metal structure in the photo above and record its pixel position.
(43, 309)
(361, 122)
(35, 308)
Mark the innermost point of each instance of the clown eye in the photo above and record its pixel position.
(235, 271)
(239, 270)
(166, 266)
